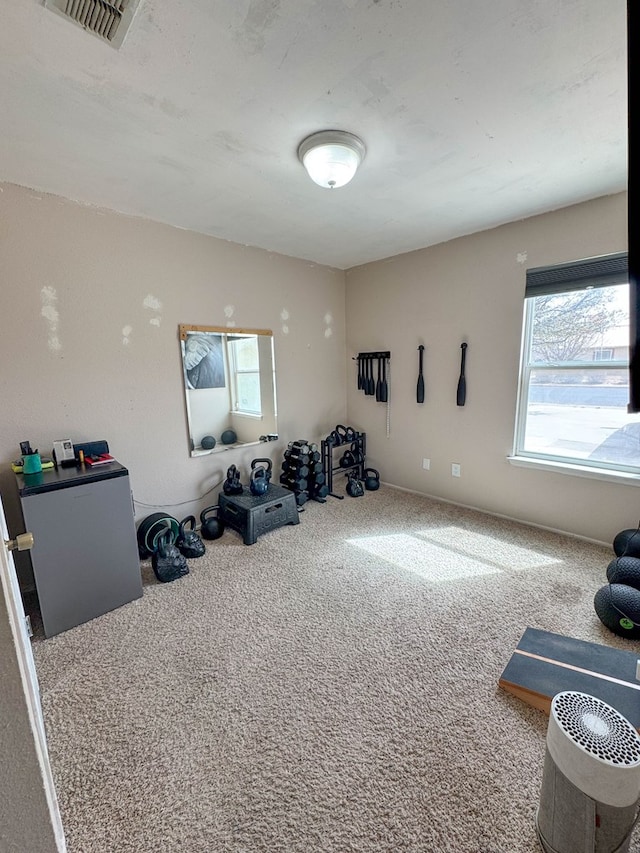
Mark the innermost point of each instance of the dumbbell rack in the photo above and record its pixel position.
(303, 472)
(358, 446)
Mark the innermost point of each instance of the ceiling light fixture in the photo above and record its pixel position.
(331, 157)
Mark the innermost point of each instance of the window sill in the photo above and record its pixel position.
(622, 477)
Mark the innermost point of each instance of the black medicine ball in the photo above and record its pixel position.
(624, 570)
(627, 542)
(618, 608)
(229, 436)
(208, 442)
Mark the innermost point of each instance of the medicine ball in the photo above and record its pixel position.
(208, 442)
(229, 436)
(618, 608)
(627, 543)
(624, 570)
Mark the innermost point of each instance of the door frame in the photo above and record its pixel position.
(26, 665)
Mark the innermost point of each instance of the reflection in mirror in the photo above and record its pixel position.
(229, 383)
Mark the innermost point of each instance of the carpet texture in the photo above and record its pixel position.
(331, 688)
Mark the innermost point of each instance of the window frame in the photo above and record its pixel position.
(235, 372)
(603, 272)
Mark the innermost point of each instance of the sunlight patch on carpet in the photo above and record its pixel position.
(480, 546)
(432, 562)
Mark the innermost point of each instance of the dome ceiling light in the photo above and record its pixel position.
(331, 157)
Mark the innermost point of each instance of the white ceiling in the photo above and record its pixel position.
(473, 113)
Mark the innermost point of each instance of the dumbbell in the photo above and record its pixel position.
(300, 446)
(294, 456)
(317, 479)
(293, 482)
(301, 498)
(295, 471)
(320, 492)
(315, 467)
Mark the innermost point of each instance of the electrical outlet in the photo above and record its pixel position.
(426, 464)
(455, 469)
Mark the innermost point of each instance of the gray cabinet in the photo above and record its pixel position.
(85, 555)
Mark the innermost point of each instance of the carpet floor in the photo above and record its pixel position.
(332, 688)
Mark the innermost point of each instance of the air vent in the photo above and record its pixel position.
(107, 19)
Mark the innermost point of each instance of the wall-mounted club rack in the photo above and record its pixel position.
(371, 385)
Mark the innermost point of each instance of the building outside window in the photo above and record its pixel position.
(574, 379)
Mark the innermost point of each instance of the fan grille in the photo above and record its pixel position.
(597, 727)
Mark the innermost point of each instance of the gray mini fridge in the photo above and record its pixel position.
(85, 554)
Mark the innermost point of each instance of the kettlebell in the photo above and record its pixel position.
(258, 481)
(341, 434)
(188, 542)
(267, 464)
(371, 479)
(351, 457)
(167, 561)
(232, 485)
(355, 488)
(211, 527)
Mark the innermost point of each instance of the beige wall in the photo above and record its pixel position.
(472, 289)
(90, 304)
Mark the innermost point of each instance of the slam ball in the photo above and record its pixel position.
(624, 570)
(618, 608)
(208, 442)
(627, 542)
(229, 436)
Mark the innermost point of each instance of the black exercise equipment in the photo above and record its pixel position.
(371, 479)
(208, 442)
(211, 526)
(189, 542)
(372, 387)
(229, 436)
(167, 561)
(151, 529)
(293, 482)
(618, 608)
(624, 570)
(627, 543)
(352, 457)
(258, 483)
(355, 489)
(232, 485)
(420, 385)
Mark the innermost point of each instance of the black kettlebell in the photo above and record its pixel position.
(341, 434)
(350, 457)
(188, 542)
(371, 479)
(355, 488)
(211, 526)
(167, 561)
(258, 481)
(232, 485)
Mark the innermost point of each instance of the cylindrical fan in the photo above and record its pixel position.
(591, 780)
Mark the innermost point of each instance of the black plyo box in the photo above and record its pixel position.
(253, 515)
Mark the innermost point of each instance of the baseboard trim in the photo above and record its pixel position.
(499, 515)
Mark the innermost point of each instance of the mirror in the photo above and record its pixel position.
(229, 383)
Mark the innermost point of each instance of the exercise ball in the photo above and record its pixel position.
(618, 608)
(627, 543)
(208, 442)
(624, 570)
(229, 436)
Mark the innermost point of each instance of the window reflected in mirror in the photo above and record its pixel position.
(229, 383)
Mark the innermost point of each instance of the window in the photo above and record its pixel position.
(574, 378)
(245, 372)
